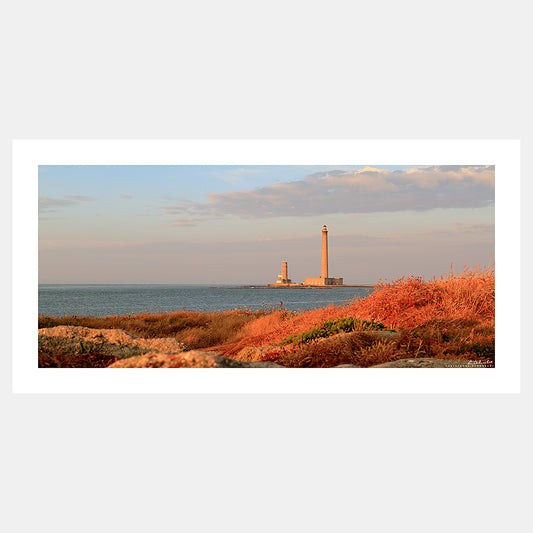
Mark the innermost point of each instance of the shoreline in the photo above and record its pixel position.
(294, 286)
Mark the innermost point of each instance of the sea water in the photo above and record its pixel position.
(121, 299)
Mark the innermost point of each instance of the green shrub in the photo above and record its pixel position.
(332, 327)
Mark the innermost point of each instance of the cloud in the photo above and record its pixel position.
(237, 176)
(49, 205)
(190, 222)
(368, 190)
(50, 218)
(78, 198)
(126, 196)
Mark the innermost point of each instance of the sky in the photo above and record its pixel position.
(236, 224)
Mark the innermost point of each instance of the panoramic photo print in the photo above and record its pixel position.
(266, 266)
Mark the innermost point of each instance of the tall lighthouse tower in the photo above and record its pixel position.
(324, 272)
(324, 278)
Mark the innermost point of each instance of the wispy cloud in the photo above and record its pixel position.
(237, 176)
(78, 198)
(126, 196)
(190, 222)
(49, 205)
(369, 190)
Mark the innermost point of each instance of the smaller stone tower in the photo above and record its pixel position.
(284, 270)
(284, 276)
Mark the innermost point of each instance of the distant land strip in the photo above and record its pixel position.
(295, 286)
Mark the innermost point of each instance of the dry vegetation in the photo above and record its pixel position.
(194, 328)
(452, 317)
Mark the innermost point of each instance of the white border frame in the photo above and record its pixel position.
(28, 155)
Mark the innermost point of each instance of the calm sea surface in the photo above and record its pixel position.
(102, 300)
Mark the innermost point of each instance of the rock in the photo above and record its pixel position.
(135, 352)
(226, 362)
(113, 336)
(163, 344)
(346, 366)
(190, 359)
(254, 353)
(430, 362)
(117, 337)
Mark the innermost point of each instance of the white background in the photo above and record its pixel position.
(388, 70)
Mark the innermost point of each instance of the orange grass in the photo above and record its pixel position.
(194, 328)
(405, 303)
(410, 302)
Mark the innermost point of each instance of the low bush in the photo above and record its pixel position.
(333, 327)
(358, 348)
